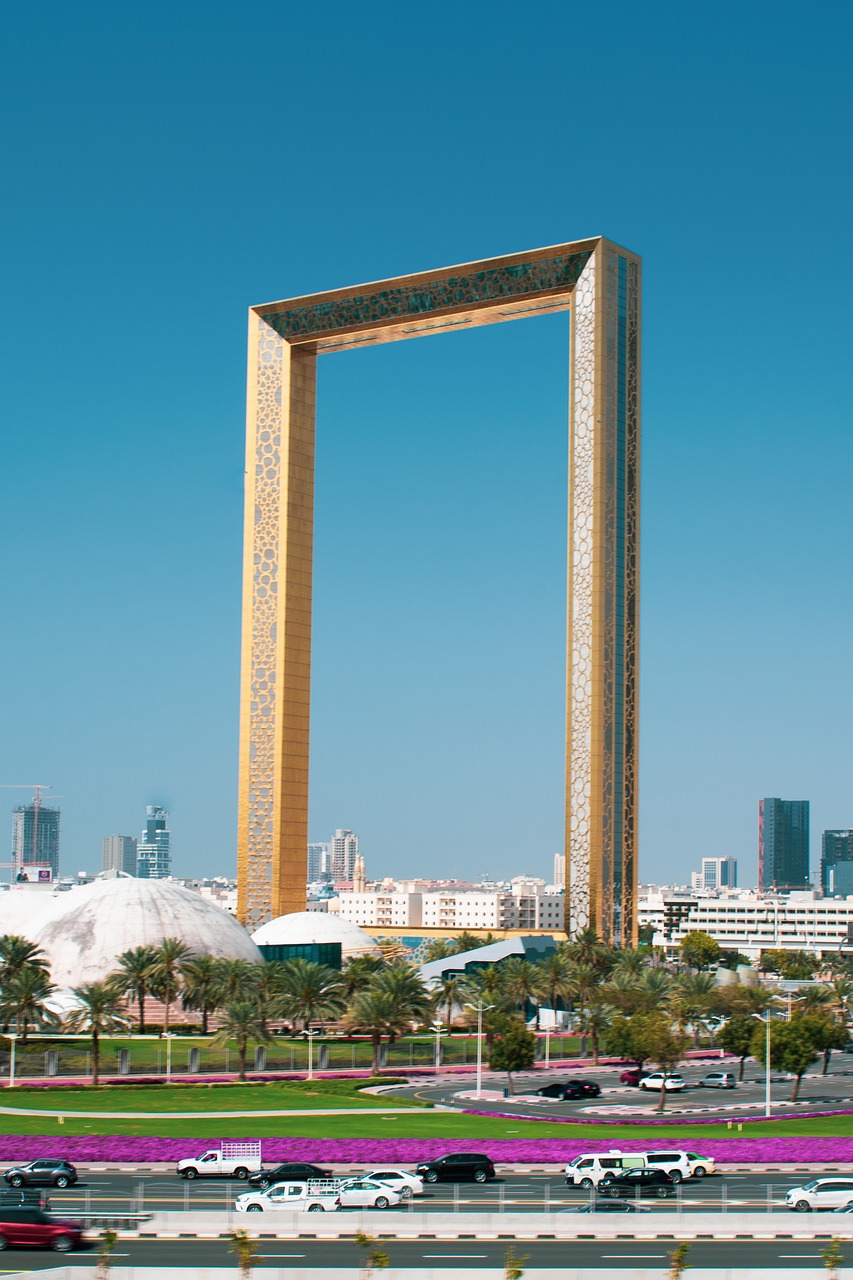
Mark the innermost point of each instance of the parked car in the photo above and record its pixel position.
(457, 1168)
(24, 1225)
(632, 1076)
(365, 1193)
(42, 1173)
(408, 1184)
(669, 1079)
(644, 1182)
(718, 1080)
(569, 1091)
(820, 1193)
(608, 1206)
(291, 1171)
(290, 1195)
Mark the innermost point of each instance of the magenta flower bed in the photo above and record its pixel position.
(129, 1150)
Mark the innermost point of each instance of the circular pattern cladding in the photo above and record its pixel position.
(88, 928)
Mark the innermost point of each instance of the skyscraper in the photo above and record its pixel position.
(835, 847)
(118, 853)
(783, 844)
(560, 870)
(719, 873)
(344, 854)
(35, 837)
(319, 861)
(154, 851)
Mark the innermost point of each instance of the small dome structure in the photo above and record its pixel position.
(84, 930)
(315, 929)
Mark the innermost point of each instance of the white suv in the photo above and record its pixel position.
(673, 1081)
(588, 1170)
(820, 1193)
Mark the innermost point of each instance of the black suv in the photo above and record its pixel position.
(457, 1168)
(643, 1182)
(572, 1089)
(289, 1172)
(42, 1173)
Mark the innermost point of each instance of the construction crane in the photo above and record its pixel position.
(38, 788)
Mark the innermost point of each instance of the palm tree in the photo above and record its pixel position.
(24, 1002)
(556, 974)
(376, 1014)
(135, 971)
(165, 973)
(814, 999)
(439, 949)
(586, 948)
(448, 996)
(486, 985)
(466, 941)
(690, 999)
(359, 972)
(17, 953)
(201, 990)
(595, 1022)
(308, 992)
(403, 983)
(238, 980)
(523, 982)
(242, 1020)
(100, 1013)
(630, 963)
(584, 981)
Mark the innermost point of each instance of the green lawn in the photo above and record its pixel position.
(272, 1096)
(423, 1124)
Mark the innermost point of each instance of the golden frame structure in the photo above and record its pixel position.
(599, 284)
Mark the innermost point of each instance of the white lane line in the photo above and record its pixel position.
(459, 1255)
(633, 1255)
(281, 1255)
(800, 1255)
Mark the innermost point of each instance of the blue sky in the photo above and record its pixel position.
(167, 166)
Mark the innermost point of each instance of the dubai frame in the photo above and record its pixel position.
(598, 283)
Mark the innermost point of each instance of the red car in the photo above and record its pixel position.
(29, 1225)
(632, 1076)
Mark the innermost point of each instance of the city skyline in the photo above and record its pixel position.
(124, 489)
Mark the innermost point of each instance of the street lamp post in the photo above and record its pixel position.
(437, 1028)
(310, 1033)
(12, 1042)
(766, 1021)
(168, 1057)
(481, 1009)
(547, 1046)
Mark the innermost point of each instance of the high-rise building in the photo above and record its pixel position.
(118, 853)
(154, 851)
(718, 873)
(359, 875)
(560, 870)
(344, 854)
(783, 843)
(35, 837)
(835, 847)
(319, 862)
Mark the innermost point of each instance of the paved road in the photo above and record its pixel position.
(609, 1255)
(817, 1092)
(114, 1192)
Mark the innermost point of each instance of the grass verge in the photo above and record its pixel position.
(270, 1096)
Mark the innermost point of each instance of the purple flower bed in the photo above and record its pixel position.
(668, 1118)
(129, 1150)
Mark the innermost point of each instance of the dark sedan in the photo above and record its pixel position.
(42, 1173)
(569, 1091)
(292, 1171)
(462, 1167)
(609, 1206)
(637, 1182)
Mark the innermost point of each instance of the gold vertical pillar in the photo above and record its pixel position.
(602, 650)
(276, 662)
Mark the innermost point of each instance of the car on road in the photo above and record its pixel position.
(570, 1090)
(717, 1080)
(675, 1163)
(291, 1171)
(42, 1173)
(632, 1076)
(27, 1225)
(588, 1170)
(291, 1195)
(24, 1195)
(642, 1182)
(844, 1208)
(408, 1184)
(460, 1167)
(820, 1193)
(669, 1080)
(700, 1166)
(365, 1193)
(608, 1206)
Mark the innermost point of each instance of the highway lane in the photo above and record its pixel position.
(608, 1255)
(108, 1192)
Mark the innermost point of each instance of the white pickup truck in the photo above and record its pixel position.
(315, 1198)
(231, 1160)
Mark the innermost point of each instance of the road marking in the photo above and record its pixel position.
(281, 1255)
(633, 1255)
(800, 1255)
(459, 1255)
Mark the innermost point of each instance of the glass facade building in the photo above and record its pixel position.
(783, 844)
(35, 837)
(154, 851)
(836, 849)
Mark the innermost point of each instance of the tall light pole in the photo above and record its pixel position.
(168, 1057)
(766, 1020)
(310, 1033)
(437, 1028)
(481, 1009)
(12, 1042)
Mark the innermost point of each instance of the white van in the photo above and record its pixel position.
(588, 1170)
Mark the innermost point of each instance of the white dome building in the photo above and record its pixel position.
(84, 930)
(311, 929)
